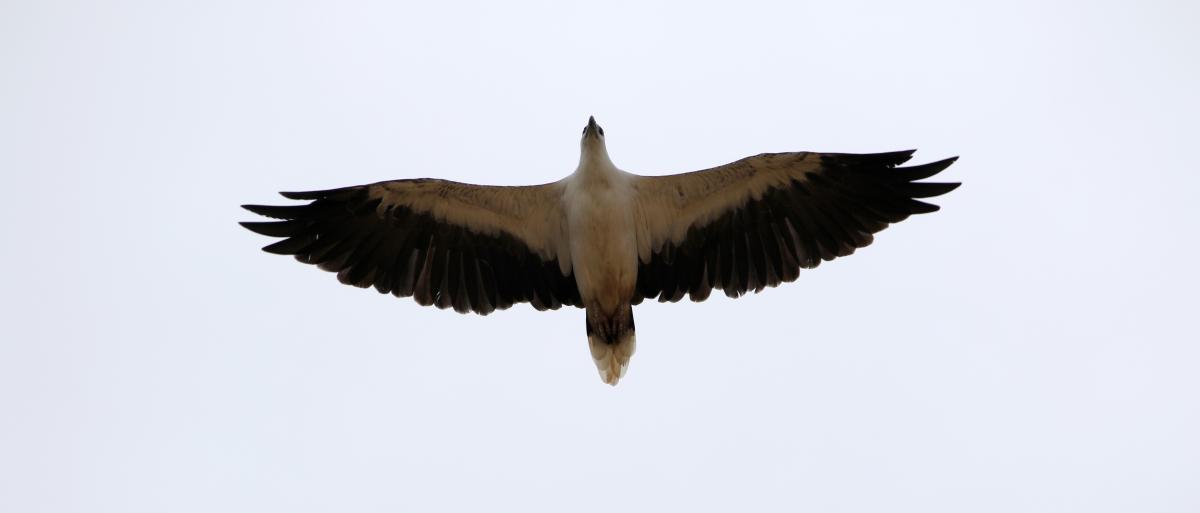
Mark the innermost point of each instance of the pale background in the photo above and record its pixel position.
(1031, 347)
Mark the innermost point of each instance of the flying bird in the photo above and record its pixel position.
(602, 239)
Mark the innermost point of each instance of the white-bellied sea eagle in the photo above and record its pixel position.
(602, 239)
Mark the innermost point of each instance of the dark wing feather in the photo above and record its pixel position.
(405, 238)
(754, 223)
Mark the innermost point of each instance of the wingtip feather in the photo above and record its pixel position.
(914, 173)
(305, 195)
(318, 195)
(271, 228)
(274, 212)
(929, 189)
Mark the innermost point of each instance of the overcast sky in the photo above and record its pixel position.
(1030, 348)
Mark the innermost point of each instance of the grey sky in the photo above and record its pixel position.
(1031, 347)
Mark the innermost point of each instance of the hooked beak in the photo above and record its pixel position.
(592, 129)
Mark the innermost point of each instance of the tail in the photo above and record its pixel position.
(612, 341)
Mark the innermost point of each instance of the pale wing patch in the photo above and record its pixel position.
(532, 214)
(668, 205)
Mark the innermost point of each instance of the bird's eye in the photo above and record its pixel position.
(601, 130)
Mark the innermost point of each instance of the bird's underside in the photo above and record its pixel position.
(602, 239)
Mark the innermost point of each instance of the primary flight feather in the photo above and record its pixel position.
(602, 239)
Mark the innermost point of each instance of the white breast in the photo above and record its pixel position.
(599, 207)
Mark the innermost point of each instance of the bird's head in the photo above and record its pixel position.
(592, 133)
(592, 145)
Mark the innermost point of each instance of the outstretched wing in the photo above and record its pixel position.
(754, 223)
(452, 245)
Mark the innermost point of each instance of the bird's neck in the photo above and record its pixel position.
(594, 163)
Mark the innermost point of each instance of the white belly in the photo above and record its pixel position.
(603, 243)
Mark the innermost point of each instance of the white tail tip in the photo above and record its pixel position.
(612, 360)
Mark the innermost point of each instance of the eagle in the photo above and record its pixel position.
(602, 239)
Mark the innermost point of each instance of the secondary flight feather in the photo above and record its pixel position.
(602, 239)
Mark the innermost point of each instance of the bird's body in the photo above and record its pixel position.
(601, 238)
(599, 201)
